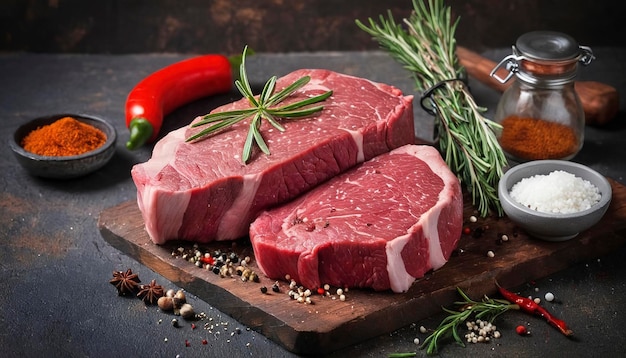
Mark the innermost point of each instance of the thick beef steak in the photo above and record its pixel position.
(379, 225)
(202, 191)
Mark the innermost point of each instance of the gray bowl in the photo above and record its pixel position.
(553, 226)
(68, 166)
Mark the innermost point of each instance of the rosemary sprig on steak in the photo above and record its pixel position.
(265, 106)
(425, 45)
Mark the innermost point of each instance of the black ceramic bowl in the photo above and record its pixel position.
(64, 167)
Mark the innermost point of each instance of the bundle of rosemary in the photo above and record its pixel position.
(426, 46)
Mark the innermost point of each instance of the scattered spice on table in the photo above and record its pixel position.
(521, 330)
(65, 137)
(533, 138)
(150, 293)
(480, 331)
(126, 282)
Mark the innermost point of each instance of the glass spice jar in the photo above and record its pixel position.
(540, 113)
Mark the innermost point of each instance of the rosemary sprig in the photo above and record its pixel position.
(425, 45)
(488, 309)
(265, 106)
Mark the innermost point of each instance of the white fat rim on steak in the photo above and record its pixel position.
(241, 204)
(358, 140)
(177, 203)
(399, 279)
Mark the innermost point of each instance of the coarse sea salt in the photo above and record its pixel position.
(559, 192)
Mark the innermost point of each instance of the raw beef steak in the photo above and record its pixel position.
(202, 191)
(379, 225)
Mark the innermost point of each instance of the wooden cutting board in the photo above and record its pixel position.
(330, 324)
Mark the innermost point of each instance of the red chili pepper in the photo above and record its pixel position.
(529, 306)
(170, 87)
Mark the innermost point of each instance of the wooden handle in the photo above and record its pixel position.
(600, 101)
(480, 68)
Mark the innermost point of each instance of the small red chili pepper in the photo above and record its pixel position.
(467, 230)
(529, 306)
(169, 88)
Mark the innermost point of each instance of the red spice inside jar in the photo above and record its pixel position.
(532, 138)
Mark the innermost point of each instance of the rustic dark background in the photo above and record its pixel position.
(204, 26)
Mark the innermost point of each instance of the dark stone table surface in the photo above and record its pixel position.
(55, 299)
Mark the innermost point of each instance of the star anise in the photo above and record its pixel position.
(150, 293)
(126, 282)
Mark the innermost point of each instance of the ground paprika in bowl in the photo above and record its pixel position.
(63, 146)
(64, 137)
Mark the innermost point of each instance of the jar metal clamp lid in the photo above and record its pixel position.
(540, 56)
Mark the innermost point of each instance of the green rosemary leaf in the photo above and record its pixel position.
(449, 311)
(306, 102)
(288, 91)
(296, 113)
(227, 122)
(244, 92)
(464, 296)
(273, 121)
(258, 137)
(247, 146)
(242, 84)
(455, 335)
(254, 135)
(268, 89)
(219, 116)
